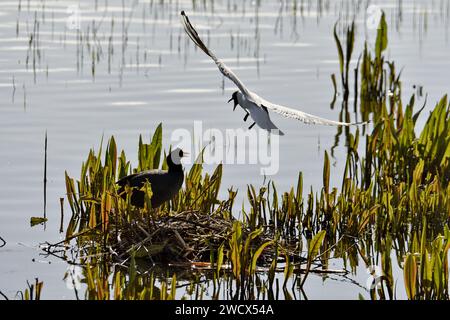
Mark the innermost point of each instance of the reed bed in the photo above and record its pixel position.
(194, 231)
(393, 203)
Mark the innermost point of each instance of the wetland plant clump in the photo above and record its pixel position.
(393, 203)
(194, 230)
(184, 229)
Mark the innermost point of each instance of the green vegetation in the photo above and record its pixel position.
(393, 204)
(195, 230)
(396, 195)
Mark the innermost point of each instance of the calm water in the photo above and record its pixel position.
(72, 85)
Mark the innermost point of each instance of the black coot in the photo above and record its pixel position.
(165, 184)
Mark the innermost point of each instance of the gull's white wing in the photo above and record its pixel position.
(303, 116)
(227, 72)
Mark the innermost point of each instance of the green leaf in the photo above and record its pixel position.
(288, 270)
(350, 45)
(340, 51)
(315, 244)
(250, 238)
(299, 193)
(236, 248)
(410, 275)
(111, 156)
(156, 146)
(220, 258)
(132, 268)
(70, 190)
(173, 288)
(258, 253)
(148, 193)
(326, 173)
(382, 37)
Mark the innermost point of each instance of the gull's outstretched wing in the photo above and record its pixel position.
(303, 116)
(222, 67)
(227, 72)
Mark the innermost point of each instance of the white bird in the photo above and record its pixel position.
(257, 107)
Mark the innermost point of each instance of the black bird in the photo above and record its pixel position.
(164, 183)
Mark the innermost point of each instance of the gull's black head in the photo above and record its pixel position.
(234, 99)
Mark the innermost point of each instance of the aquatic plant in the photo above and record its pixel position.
(400, 184)
(425, 268)
(394, 191)
(194, 230)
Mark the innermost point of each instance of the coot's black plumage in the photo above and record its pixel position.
(165, 184)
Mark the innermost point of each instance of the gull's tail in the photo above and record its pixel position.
(194, 35)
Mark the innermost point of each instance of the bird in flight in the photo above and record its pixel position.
(254, 105)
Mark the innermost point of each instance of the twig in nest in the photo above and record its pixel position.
(181, 241)
(198, 224)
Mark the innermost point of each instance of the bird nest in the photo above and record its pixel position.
(178, 239)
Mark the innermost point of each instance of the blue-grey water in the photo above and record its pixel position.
(283, 50)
